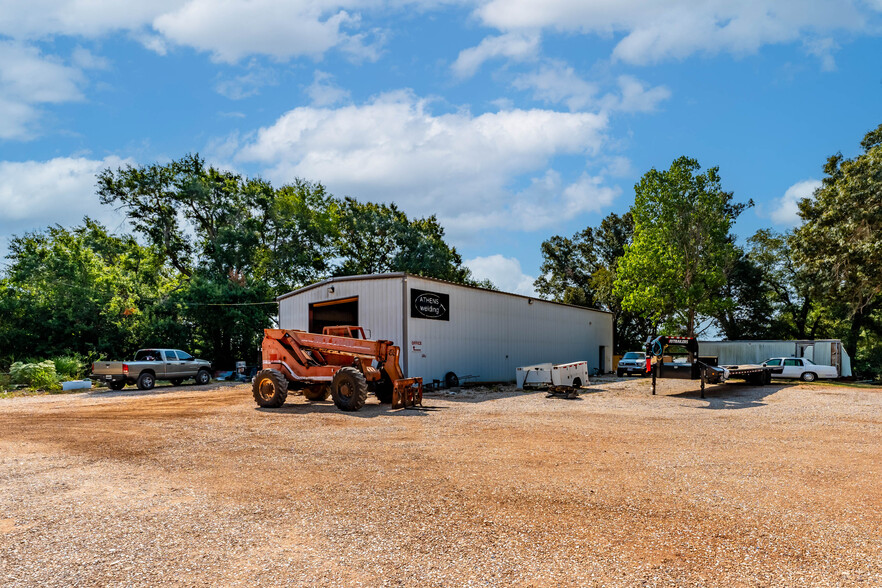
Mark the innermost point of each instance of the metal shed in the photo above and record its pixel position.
(444, 327)
(820, 351)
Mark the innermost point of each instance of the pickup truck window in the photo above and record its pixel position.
(148, 355)
(170, 355)
(183, 356)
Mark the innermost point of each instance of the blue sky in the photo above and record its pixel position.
(511, 120)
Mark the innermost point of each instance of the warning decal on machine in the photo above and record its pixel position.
(429, 305)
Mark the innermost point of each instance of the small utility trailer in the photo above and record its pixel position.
(677, 357)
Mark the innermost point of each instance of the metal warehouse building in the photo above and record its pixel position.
(445, 328)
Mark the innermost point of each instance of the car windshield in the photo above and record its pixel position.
(633, 355)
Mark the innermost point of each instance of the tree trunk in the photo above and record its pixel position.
(690, 328)
(854, 333)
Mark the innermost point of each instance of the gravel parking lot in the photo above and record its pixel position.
(753, 486)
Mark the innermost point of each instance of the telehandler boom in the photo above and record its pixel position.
(339, 362)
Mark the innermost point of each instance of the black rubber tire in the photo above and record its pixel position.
(117, 385)
(808, 376)
(203, 377)
(383, 390)
(619, 373)
(349, 389)
(577, 382)
(176, 381)
(146, 381)
(270, 389)
(451, 380)
(317, 393)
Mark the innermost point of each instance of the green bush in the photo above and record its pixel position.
(69, 367)
(40, 375)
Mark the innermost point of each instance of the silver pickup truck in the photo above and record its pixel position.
(150, 365)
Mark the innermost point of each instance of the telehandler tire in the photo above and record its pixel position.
(317, 392)
(349, 389)
(270, 389)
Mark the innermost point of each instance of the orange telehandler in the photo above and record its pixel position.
(339, 362)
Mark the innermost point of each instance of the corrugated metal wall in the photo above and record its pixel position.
(490, 334)
(380, 306)
(735, 352)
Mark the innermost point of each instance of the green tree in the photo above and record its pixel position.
(681, 248)
(379, 238)
(79, 290)
(746, 311)
(840, 240)
(581, 270)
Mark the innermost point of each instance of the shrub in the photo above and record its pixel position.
(40, 375)
(69, 367)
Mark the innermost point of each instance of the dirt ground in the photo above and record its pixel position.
(753, 486)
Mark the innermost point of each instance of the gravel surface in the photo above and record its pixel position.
(753, 486)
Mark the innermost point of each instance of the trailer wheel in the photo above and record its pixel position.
(349, 389)
(577, 382)
(270, 389)
(117, 385)
(383, 389)
(808, 376)
(451, 380)
(146, 381)
(317, 392)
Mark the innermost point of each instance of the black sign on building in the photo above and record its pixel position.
(429, 305)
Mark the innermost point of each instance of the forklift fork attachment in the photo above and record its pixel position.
(407, 392)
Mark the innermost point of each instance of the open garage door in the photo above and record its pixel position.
(333, 313)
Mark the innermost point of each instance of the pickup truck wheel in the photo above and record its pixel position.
(809, 376)
(270, 389)
(349, 389)
(203, 377)
(117, 385)
(318, 392)
(146, 381)
(619, 373)
(176, 381)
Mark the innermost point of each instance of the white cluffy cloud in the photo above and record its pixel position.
(514, 46)
(40, 193)
(658, 30)
(505, 273)
(27, 80)
(558, 83)
(787, 211)
(456, 165)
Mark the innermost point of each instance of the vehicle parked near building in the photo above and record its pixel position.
(633, 362)
(802, 368)
(151, 365)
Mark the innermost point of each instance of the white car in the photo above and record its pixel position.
(800, 367)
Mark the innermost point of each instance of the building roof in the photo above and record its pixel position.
(394, 275)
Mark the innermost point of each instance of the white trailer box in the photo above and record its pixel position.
(570, 374)
(534, 376)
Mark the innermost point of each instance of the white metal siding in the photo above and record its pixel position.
(737, 352)
(380, 306)
(490, 334)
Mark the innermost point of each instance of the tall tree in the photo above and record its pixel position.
(681, 244)
(79, 290)
(790, 287)
(581, 270)
(378, 238)
(840, 240)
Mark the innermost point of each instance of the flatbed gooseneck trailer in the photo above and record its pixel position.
(677, 357)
